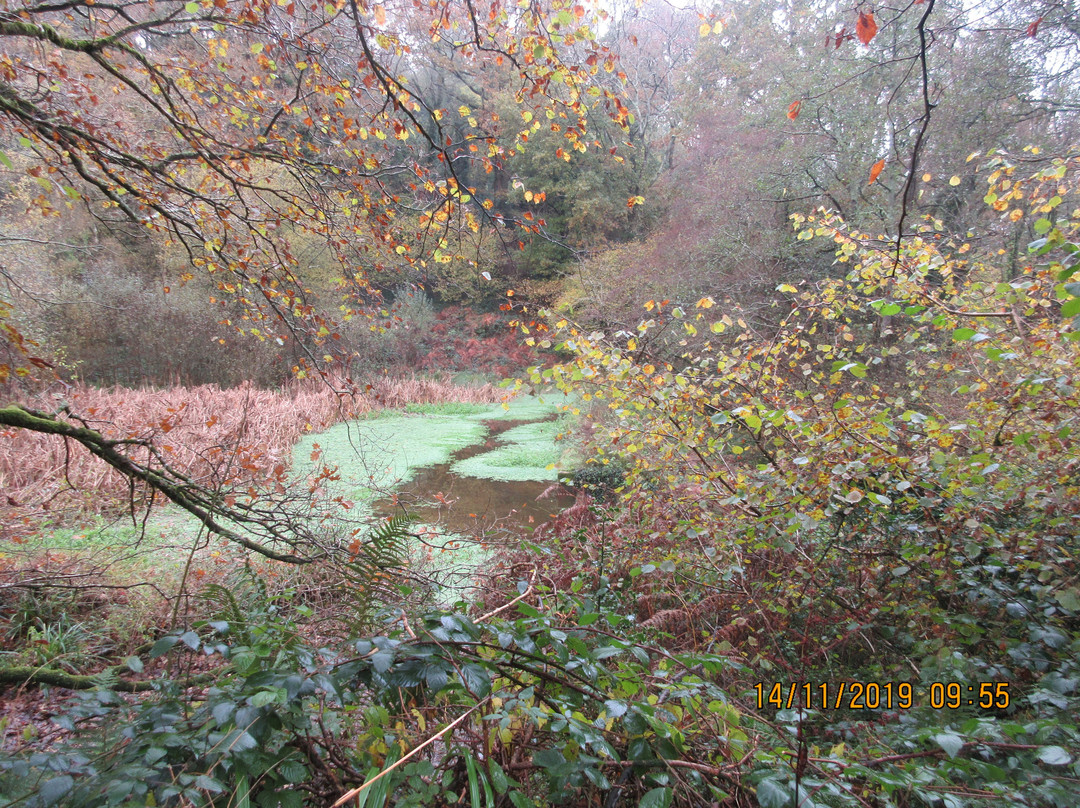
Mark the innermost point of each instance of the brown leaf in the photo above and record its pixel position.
(1033, 29)
(793, 109)
(866, 27)
(876, 170)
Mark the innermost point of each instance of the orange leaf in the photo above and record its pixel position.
(866, 27)
(793, 109)
(880, 164)
(380, 15)
(1033, 29)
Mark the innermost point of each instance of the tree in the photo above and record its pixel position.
(786, 108)
(237, 133)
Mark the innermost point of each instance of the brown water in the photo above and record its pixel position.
(470, 506)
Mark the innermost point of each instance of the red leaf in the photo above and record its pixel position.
(866, 27)
(793, 110)
(876, 170)
(1033, 29)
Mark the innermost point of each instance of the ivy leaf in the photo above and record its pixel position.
(875, 171)
(866, 27)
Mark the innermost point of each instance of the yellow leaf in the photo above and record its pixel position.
(257, 47)
(705, 303)
(704, 29)
(954, 181)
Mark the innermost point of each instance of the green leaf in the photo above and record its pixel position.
(6, 160)
(1042, 226)
(293, 771)
(656, 798)
(615, 708)
(521, 800)
(771, 794)
(889, 310)
(191, 8)
(1070, 308)
(963, 334)
(1054, 756)
(950, 742)
(476, 679)
(52, 790)
(474, 785)
(498, 777)
(208, 783)
(134, 664)
(163, 645)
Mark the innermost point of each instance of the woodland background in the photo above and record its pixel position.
(803, 270)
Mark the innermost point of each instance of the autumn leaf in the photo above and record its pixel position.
(876, 170)
(380, 15)
(1033, 29)
(866, 27)
(793, 109)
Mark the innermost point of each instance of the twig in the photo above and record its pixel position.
(506, 606)
(348, 795)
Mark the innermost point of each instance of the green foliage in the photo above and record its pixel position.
(237, 745)
(879, 488)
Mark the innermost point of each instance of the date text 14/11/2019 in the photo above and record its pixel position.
(881, 695)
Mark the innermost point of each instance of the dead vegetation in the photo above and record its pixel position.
(243, 435)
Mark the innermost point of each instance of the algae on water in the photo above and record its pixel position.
(530, 452)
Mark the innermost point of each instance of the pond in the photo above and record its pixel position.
(469, 473)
